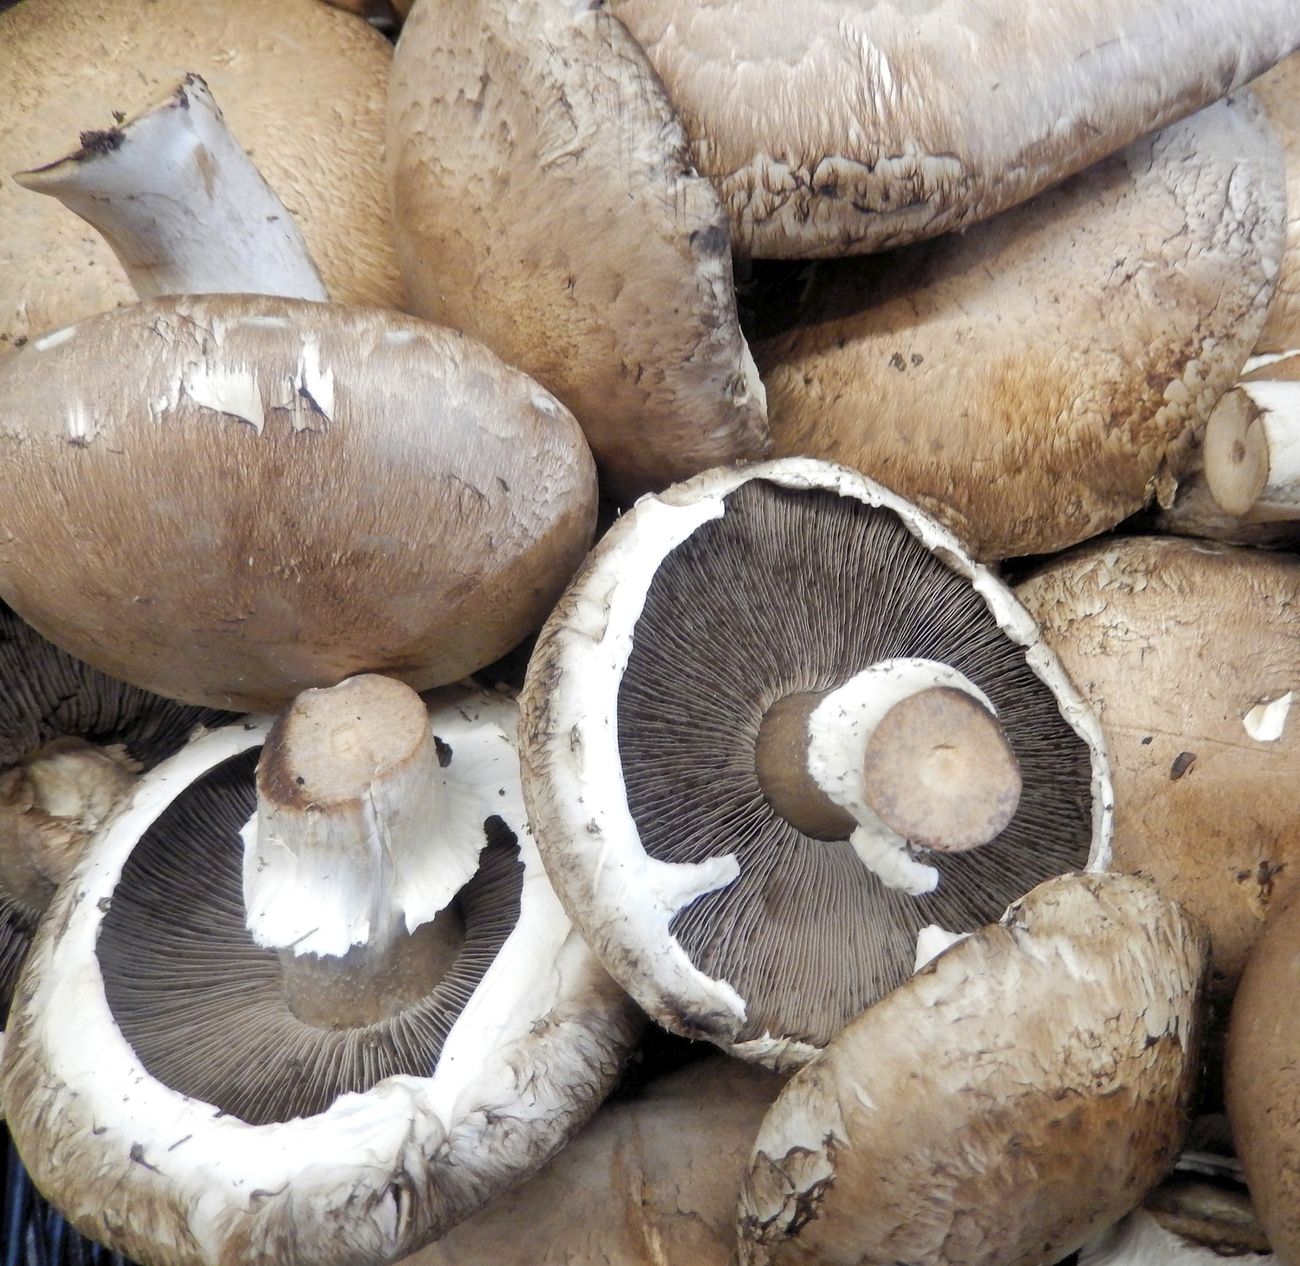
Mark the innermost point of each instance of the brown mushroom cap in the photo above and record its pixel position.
(641, 715)
(227, 499)
(1177, 643)
(546, 203)
(961, 1120)
(1279, 94)
(860, 125)
(302, 86)
(652, 1180)
(1262, 1078)
(1037, 379)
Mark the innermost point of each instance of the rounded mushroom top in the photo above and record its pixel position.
(1041, 377)
(959, 1121)
(287, 74)
(1190, 653)
(546, 203)
(731, 604)
(867, 124)
(653, 1179)
(227, 499)
(1262, 1081)
(182, 1066)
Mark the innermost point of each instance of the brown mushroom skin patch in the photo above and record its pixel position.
(1279, 94)
(652, 1181)
(317, 141)
(259, 495)
(1173, 641)
(1036, 380)
(546, 203)
(961, 1121)
(798, 591)
(867, 124)
(1262, 1078)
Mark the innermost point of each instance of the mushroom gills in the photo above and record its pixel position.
(797, 591)
(205, 1007)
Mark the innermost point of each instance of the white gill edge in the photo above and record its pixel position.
(627, 898)
(1139, 1240)
(182, 205)
(932, 940)
(839, 730)
(215, 1162)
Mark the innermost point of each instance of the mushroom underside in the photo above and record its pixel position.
(831, 586)
(203, 1006)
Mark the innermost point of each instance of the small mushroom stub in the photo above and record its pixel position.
(864, 125)
(226, 999)
(1014, 1097)
(778, 725)
(228, 499)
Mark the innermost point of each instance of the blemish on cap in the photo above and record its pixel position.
(1266, 721)
(233, 391)
(47, 341)
(544, 404)
(398, 337)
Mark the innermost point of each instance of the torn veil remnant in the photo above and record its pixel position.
(958, 1122)
(276, 494)
(1041, 377)
(759, 899)
(433, 1030)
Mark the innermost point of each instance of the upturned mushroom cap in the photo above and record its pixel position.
(72, 743)
(652, 1180)
(545, 202)
(227, 499)
(864, 125)
(166, 1096)
(302, 85)
(961, 1120)
(1262, 1078)
(1065, 352)
(1190, 653)
(695, 616)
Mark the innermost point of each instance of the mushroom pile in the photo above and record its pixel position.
(368, 789)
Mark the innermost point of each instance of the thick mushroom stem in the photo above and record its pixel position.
(182, 205)
(908, 752)
(49, 806)
(1252, 443)
(345, 871)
